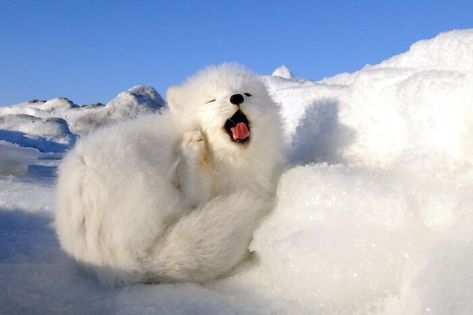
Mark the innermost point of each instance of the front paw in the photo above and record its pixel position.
(194, 146)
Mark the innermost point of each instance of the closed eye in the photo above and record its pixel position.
(247, 94)
(210, 101)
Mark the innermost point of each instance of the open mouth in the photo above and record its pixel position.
(238, 127)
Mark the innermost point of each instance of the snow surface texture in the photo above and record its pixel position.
(374, 213)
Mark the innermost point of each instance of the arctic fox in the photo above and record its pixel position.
(176, 196)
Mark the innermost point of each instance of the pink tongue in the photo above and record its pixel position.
(240, 131)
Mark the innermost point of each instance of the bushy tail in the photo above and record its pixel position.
(209, 241)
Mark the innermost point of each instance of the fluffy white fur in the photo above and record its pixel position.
(171, 197)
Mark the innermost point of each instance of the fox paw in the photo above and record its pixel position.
(194, 146)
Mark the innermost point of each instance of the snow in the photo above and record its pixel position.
(283, 72)
(129, 104)
(87, 118)
(374, 211)
(53, 129)
(15, 160)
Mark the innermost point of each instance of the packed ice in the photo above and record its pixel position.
(374, 212)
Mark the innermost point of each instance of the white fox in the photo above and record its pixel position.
(175, 196)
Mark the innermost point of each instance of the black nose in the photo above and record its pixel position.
(236, 99)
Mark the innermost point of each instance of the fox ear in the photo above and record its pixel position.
(174, 98)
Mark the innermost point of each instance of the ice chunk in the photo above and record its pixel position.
(283, 72)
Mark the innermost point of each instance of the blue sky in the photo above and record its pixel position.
(91, 50)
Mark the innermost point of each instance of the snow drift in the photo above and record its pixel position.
(127, 105)
(364, 235)
(80, 119)
(374, 211)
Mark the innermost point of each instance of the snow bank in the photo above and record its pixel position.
(374, 212)
(56, 104)
(21, 193)
(344, 239)
(388, 229)
(14, 160)
(127, 105)
(404, 109)
(58, 117)
(55, 129)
